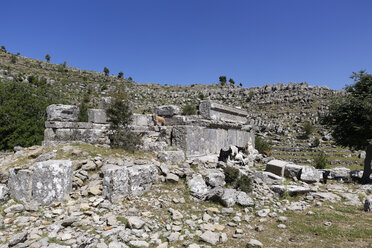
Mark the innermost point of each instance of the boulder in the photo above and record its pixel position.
(291, 189)
(276, 166)
(210, 237)
(61, 112)
(141, 178)
(326, 196)
(228, 198)
(167, 110)
(215, 179)
(97, 116)
(292, 170)
(340, 173)
(310, 175)
(268, 177)
(4, 193)
(198, 187)
(243, 199)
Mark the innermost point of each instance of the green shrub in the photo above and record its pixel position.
(262, 146)
(244, 183)
(222, 80)
(47, 57)
(315, 143)
(231, 175)
(308, 129)
(320, 160)
(23, 113)
(120, 116)
(189, 109)
(84, 105)
(106, 71)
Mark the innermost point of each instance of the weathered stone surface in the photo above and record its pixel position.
(219, 112)
(51, 181)
(142, 120)
(4, 193)
(215, 179)
(167, 110)
(18, 238)
(339, 173)
(326, 196)
(60, 112)
(268, 177)
(20, 184)
(292, 170)
(120, 182)
(253, 243)
(171, 157)
(210, 237)
(291, 189)
(368, 204)
(228, 198)
(200, 141)
(198, 187)
(276, 166)
(243, 199)
(310, 174)
(135, 222)
(97, 116)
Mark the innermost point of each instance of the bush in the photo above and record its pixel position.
(315, 143)
(47, 57)
(244, 183)
(23, 113)
(231, 175)
(308, 129)
(320, 160)
(189, 109)
(120, 75)
(83, 113)
(120, 116)
(262, 146)
(231, 81)
(106, 71)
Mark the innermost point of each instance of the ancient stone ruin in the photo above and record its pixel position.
(217, 127)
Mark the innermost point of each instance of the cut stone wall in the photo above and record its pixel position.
(215, 111)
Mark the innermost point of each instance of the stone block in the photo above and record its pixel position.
(339, 173)
(51, 181)
(276, 166)
(97, 116)
(167, 110)
(61, 112)
(142, 120)
(120, 182)
(292, 170)
(4, 193)
(268, 177)
(171, 157)
(291, 189)
(45, 183)
(310, 175)
(219, 112)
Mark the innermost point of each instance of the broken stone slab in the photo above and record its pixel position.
(310, 175)
(61, 112)
(215, 179)
(46, 182)
(243, 199)
(219, 112)
(198, 187)
(276, 166)
(68, 125)
(120, 182)
(292, 170)
(142, 120)
(4, 193)
(340, 173)
(268, 177)
(291, 189)
(171, 157)
(167, 110)
(326, 196)
(97, 116)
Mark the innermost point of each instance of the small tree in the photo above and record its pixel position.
(120, 75)
(106, 71)
(3, 49)
(231, 81)
(240, 84)
(47, 57)
(83, 113)
(350, 118)
(308, 129)
(120, 115)
(222, 80)
(130, 78)
(321, 160)
(262, 146)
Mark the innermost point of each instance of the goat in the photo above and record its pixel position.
(158, 120)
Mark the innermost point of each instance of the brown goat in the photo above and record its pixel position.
(159, 120)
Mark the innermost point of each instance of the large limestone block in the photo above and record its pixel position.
(61, 112)
(20, 184)
(339, 173)
(292, 170)
(4, 191)
(220, 112)
(167, 110)
(116, 183)
(46, 182)
(171, 157)
(120, 182)
(310, 175)
(268, 177)
(276, 166)
(141, 178)
(51, 181)
(142, 120)
(198, 187)
(97, 116)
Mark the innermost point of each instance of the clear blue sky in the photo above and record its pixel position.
(195, 41)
